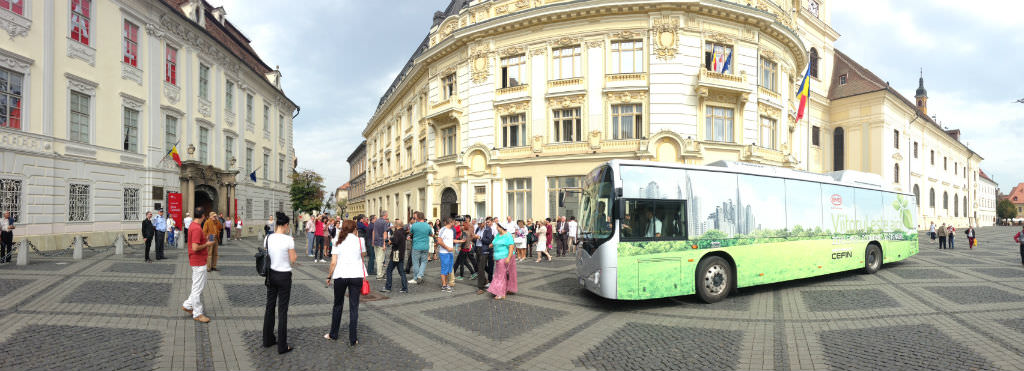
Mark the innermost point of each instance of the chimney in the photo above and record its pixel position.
(219, 13)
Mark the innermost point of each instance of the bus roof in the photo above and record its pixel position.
(845, 177)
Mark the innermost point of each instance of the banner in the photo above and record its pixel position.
(174, 208)
(235, 214)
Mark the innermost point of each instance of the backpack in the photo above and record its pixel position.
(263, 259)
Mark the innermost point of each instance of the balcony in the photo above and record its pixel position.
(723, 82)
(511, 90)
(565, 85)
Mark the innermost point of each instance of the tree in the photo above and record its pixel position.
(1006, 210)
(342, 207)
(307, 191)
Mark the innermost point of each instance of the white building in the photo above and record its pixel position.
(99, 91)
(986, 197)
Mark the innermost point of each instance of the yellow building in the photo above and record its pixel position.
(105, 88)
(357, 181)
(506, 104)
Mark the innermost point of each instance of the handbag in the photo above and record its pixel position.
(263, 260)
(366, 284)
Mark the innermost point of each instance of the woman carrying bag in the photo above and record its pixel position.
(281, 248)
(346, 273)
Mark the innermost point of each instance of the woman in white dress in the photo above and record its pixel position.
(542, 241)
(520, 240)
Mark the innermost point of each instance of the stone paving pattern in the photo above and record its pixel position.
(940, 309)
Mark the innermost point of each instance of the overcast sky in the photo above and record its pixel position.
(339, 56)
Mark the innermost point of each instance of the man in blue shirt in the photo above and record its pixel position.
(160, 223)
(377, 258)
(420, 233)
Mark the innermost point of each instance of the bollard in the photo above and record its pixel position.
(78, 248)
(179, 241)
(119, 245)
(23, 252)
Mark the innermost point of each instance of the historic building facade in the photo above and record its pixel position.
(97, 94)
(357, 181)
(507, 103)
(987, 188)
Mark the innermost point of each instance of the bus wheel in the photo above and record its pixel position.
(872, 259)
(714, 279)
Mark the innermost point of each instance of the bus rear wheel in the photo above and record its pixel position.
(714, 279)
(872, 259)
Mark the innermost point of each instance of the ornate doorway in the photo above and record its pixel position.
(449, 203)
(206, 197)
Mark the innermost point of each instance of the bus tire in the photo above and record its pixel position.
(714, 279)
(872, 259)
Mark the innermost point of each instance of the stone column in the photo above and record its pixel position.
(190, 195)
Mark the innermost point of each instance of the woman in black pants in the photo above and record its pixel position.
(346, 273)
(281, 248)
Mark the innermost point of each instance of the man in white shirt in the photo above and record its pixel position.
(6, 237)
(653, 229)
(186, 223)
(574, 230)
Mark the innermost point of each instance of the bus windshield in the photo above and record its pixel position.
(596, 204)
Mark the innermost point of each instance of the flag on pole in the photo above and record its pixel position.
(252, 175)
(174, 154)
(802, 94)
(727, 63)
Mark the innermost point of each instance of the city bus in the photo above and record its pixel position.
(653, 230)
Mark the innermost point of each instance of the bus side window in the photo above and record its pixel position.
(672, 214)
(640, 220)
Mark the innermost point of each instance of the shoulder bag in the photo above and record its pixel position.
(366, 284)
(263, 259)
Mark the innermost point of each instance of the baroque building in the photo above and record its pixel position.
(357, 181)
(506, 104)
(98, 92)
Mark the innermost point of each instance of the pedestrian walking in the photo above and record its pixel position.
(484, 263)
(310, 236)
(942, 235)
(376, 260)
(148, 231)
(160, 223)
(561, 234)
(281, 248)
(210, 230)
(420, 233)
(531, 237)
(519, 237)
(466, 258)
(1019, 239)
(7, 237)
(228, 226)
(197, 255)
(503, 244)
(346, 273)
(543, 239)
(931, 231)
(220, 229)
(184, 225)
(951, 232)
(318, 238)
(573, 235)
(171, 229)
(970, 236)
(408, 246)
(396, 256)
(433, 245)
(445, 247)
(238, 228)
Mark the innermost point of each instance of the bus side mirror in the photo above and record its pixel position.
(617, 210)
(618, 192)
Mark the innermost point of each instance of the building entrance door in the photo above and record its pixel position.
(206, 197)
(449, 203)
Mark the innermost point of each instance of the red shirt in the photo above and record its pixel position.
(319, 230)
(195, 235)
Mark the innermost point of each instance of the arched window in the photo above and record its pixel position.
(917, 195)
(814, 63)
(965, 205)
(956, 206)
(837, 150)
(896, 173)
(931, 197)
(945, 200)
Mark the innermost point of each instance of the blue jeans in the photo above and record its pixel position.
(419, 262)
(950, 241)
(310, 238)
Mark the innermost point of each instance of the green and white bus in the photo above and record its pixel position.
(653, 230)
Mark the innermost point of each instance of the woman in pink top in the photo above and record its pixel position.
(319, 233)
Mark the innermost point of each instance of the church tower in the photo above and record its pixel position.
(922, 95)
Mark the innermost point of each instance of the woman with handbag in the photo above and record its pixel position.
(347, 273)
(281, 248)
(504, 244)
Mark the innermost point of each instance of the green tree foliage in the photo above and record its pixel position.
(1006, 210)
(307, 191)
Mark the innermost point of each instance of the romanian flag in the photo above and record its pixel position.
(174, 154)
(802, 94)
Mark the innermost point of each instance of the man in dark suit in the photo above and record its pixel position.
(562, 230)
(148, 231)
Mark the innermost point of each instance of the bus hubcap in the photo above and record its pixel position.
(714, 279)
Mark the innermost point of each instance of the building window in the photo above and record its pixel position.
(718, 57)
(280, 169)
(204, 144)
(769, 74)
(448, 141)
(11, 84)
(79, 117)
(78, 202)
(559, 201)
(204, 81)
(513, 71)
(171, 65)
(408, 157)
(513, 130)
(627, 121)
(945, 201)
(627, 56)
(248, 208)
(229, 150)
(718, 124)
(280, 206)
(131, 43)
(933, 157)
(944, 162)
(130, 204)
(896, 139)
(248, 159)
(956, 206)
(266, 118)
(266, 209)
(917, 195)
(10, 197)
(813, 67)
(131, 130)
(81, 16)
(896, 173)
(280, 127)
(448, 86)
(14, 6)
(519, 200)
(170, 132)
(769, 127)
(248, 108)
(842, 79)
(423, 150)
(266, 165)
(915, 149)
(931, 197)
(566, 63)
(229, 95)
(815, 135)
(568, 125)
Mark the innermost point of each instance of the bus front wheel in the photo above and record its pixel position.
(872, 259)
(715, 279)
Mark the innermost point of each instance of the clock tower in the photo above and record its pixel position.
(922, 95)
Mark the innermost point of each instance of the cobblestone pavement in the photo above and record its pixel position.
(941, 309)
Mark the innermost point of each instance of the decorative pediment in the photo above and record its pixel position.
(566, 101)
(627, 35)
(511, 51)
(512, 108)
(14, 62)
(566, 41)
(595, 44)
(626, 97)
(132, 101)
(719, 37)
(80, 84)
(768, 110)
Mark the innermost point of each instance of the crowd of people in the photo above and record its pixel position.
(946, 235)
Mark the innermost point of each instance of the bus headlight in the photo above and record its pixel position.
(595, 278)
